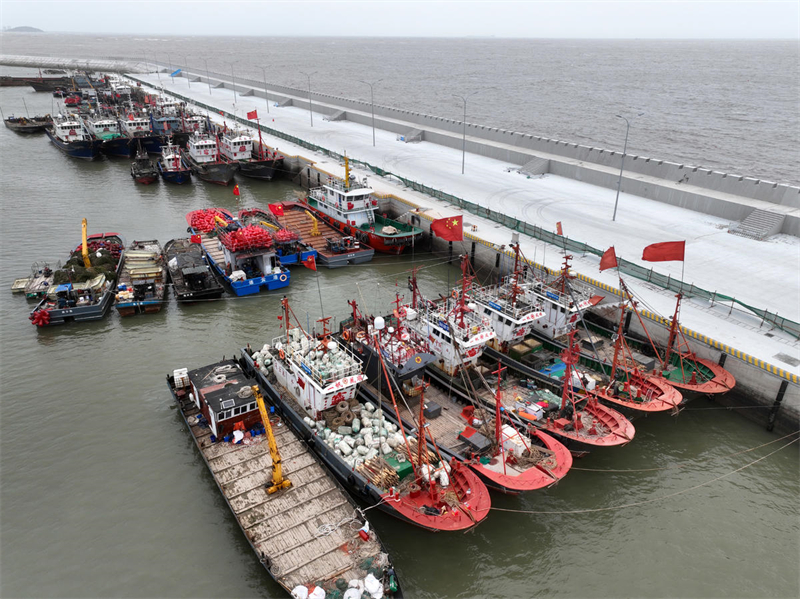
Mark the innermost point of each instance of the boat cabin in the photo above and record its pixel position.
(168, 107)
(352, 204)
(171, 158)
(202, 148)
(69, 129)
(560, 312)
(104, 128)
(237, 145)
(137, 126)
(166, 125)
(194, 123)
(509, 314)
(223, 393)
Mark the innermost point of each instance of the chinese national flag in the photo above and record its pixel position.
(195, 239)
(236, 190)
(310, 263)
(665, 252)
(252, 115)
(559, 230)
(449, 229)
(609, 259)
(276, 209)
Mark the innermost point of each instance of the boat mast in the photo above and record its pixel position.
(498, 424)
(673, 329)
(346, 173)
(515, 288)
(618, 344)
(570, 357)
(461, 305)
(412, 283)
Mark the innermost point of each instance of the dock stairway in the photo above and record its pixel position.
(536, 166)
(339, 115)
(759, 225)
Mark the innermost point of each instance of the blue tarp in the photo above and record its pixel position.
(64, 287)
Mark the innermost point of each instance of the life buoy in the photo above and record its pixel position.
(418, 360)
(281, 354)
(454, 294)
(346, 335)
(283, 278)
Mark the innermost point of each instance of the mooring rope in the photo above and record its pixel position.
(684, 464)
(652, 500)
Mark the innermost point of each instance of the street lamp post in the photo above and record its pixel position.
(464, 140)
(158, 71)
(266, 93)
(235, 98)
(372, 102)
(208, 77)
(169, 62)
(622, 162)
(188, 78)
(310, 110)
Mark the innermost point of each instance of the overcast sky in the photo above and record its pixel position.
(549, 19)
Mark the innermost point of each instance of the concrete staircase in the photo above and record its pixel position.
(536, 166)
(759, 225)
(339, 115)
(413, 136)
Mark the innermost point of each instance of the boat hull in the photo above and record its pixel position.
(178, 177)
(184, 292)
(28, 127)
(85, 150)
(97, 311)
(264, 170)
(120, 146)
(220, 173)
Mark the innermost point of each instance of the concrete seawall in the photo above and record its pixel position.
(722, 195)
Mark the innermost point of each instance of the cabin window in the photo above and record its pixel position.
(508, 321)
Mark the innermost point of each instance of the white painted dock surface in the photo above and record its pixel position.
(764, 274)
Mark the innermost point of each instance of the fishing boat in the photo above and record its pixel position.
(142, 281)
(84, 289)
(513, 309)
(334, 248)
(302, 525)
(189, 273)
(48, 84)
(349, 206)
(203, 157)
(170, 166)
(238, 145)
(22, 124)
(289, 247)
(498, 450)
(142, 168)
(675, 361)
(314, 380)
(137, 129)
(70, 136)
(244, 256)
(107, 130)
(40, 280)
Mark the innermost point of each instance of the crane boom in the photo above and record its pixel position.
(278, 482)
(85, 246)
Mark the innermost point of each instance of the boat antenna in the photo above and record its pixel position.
(26, 108)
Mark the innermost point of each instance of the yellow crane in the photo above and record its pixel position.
(278, 482)
(314, 229)
(85, 247)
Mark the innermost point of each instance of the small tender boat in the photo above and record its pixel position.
(304, 528)
(142, 168)
(142, 281)
(189, 273)
(40, 281)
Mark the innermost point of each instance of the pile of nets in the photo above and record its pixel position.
(104, 262)
(205, 220)
(286, 236)
(246, 238)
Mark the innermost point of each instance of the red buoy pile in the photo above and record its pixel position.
(247, 238)
(285, 236)
(41, 318)
(205, 220)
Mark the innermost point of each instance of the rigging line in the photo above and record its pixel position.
(654, 499)
(684, 464)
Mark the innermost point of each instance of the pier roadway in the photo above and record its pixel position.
(763, 274)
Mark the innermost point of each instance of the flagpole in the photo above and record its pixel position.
(319, 289)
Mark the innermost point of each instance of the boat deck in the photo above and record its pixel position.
(295, 218)
(212, 248)
(284, 528)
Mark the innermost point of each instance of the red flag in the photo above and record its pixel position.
(252, 115)
(236, 190)
(310, 263)
(195, 239)
(276, 209)
(559, 230)
(665, 252)
(222, 113)
(609, 259)
(449, 229)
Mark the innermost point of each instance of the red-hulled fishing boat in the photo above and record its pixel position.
(314, 380)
